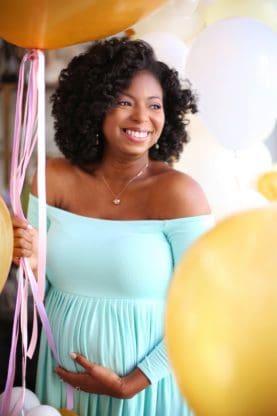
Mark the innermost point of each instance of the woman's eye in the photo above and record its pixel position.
(156, 106)
(123, 103)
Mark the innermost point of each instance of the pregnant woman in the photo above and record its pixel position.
(119, 217)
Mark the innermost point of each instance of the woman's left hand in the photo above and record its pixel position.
(95, 379)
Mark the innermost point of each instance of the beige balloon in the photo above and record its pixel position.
(6, 243)
(263, 10)
(174, 18)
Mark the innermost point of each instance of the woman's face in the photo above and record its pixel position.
(136, 122)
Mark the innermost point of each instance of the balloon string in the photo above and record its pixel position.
(27, 133)
(41, 177)
(15, 192)
(22, 314)
(33, 341)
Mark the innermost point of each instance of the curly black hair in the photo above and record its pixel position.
(90, 86)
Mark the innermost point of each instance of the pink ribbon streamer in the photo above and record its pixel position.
(29, 130)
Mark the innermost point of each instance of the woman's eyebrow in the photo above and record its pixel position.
(155, 97)
(148, 98)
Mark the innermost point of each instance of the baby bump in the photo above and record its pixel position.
(116, 333)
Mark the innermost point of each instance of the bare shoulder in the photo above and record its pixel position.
(178, 195)
(59, 174)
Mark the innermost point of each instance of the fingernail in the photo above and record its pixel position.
(73, 355)
(29, 226)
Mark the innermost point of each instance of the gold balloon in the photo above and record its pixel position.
(6, 243)
(267, 185)
(66, 412)
(263, 10)
(57, 23)
(221, 318)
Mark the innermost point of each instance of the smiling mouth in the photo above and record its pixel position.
(141, 134)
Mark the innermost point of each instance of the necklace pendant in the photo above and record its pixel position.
(116, 201)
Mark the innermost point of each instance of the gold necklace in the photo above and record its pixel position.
(116, 200)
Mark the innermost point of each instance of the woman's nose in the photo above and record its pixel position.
(139, 114)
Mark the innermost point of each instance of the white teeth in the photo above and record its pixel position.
(138, 134)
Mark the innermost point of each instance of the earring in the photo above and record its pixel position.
(97, 139)
(157, 146)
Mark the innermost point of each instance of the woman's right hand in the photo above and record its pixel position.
(25, 242)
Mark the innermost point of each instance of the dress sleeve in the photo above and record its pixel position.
(180, 233)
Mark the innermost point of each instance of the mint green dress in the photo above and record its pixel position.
(107, 286)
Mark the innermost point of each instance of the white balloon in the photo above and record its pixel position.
(30, 399)
(251, 162)
(239, 201)
(43, 410)
(227, 177)
(232, 65)
(169, 49)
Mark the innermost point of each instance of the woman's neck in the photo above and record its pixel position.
(120, 170)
